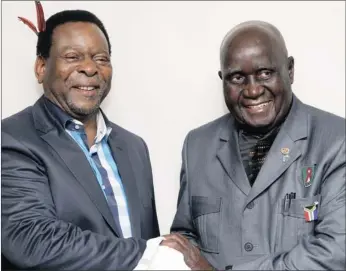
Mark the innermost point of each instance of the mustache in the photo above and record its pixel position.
(81, 77)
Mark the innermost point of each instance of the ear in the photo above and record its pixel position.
(291, 68)
(40, 69)
(220, 74)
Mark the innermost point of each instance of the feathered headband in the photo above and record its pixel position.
(41, 23)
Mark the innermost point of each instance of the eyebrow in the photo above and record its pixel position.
(233, 71)
(269, 67)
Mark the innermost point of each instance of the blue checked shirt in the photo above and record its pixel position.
(104, 167)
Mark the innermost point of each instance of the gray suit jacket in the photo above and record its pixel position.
(53, 212)
(248, 227)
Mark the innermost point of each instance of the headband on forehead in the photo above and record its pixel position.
(41, 23)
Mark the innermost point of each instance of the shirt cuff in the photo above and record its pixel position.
(157, 257)
(149, 253)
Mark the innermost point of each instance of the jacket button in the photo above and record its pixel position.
(248, 246)
(250, 205)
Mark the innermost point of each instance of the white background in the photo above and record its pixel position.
(166, 58)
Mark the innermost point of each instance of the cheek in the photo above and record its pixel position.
(107, 74)
(232, 93)
(277, 86)
(279, 92)
(59, 75)
(65, 72)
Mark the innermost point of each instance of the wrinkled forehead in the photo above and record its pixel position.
(79, 34)
(251, 51)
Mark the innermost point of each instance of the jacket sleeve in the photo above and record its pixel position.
(34, 237)
(325, 250)
(182, 222)
(155, 223)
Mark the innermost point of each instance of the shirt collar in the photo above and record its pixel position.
(61, 116)
(66, 120)
(271, 134)
(102, 130)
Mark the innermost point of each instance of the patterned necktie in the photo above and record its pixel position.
(257, 153)
(257, 158)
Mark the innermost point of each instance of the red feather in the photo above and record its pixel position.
(41, 23)
(28, 23)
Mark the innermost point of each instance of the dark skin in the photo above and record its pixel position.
(77, 74)
(79, 57)
(257, 77)
(192, 255)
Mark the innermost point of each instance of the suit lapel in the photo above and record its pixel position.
(294, 128)
(74, 159)
(120, 155)
(229, 157)
(274, 166)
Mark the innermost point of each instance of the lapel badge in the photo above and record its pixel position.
(308, 174)
(285, 152)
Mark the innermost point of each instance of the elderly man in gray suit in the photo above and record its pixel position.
(262, 188)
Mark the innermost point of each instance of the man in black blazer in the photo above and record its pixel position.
(77, 189)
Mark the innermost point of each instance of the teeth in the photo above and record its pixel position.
(259, 105)
(86, 88)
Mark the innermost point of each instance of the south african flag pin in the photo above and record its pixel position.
(311, 212)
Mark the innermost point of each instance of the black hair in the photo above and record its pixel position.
(44, 42)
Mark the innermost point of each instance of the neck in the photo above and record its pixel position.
(90, 128)
(89, 121)
(257, 131)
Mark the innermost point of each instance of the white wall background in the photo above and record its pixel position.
(166, 58)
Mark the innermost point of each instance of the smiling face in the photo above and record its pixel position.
(257, 78)
(77, 75)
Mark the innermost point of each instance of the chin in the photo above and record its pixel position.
(266, 120)
(84, 110)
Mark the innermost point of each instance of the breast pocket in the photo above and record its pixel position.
(207, 219)
(291, 222)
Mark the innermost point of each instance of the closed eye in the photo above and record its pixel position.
(71, 57)
(102, 60)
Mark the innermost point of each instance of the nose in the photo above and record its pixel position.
(253, 89)
(88, 67)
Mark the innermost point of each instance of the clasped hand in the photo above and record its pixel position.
(192, 255)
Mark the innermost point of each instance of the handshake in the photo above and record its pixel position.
(172, 252)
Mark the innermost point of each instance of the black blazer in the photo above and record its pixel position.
(53, 212)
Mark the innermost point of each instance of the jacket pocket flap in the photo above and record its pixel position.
(205, 205)
(297, 205)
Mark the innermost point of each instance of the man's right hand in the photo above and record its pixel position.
(192, 255)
